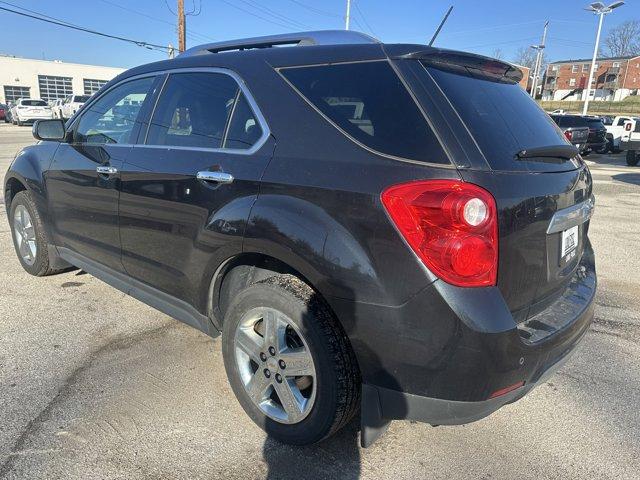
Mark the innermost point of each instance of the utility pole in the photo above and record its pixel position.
(347, 16)
(181, 27)
(538, 64)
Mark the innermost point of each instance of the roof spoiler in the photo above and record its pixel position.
(320, 37)
(453, 60)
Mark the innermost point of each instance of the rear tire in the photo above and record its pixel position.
(331, 390)
(632, 158)
(605, 148)
(29, 236)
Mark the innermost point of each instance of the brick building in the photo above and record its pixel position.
(615, 78)
(526, 78)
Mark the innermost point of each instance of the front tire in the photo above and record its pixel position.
(632, 158)
(289, 361)
(29, 236)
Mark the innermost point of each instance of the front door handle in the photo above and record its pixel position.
(106, 170)
(216, 177)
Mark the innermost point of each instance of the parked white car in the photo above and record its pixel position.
(615, 131)
(57, 108)
(29, 110)
(630, 140)
(72, 104)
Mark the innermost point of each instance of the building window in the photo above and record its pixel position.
(616, 64)
(585, 67)
(52, 88)
(91, 85)
(554, 68)
(572, 82)
(13, 93)
(574, 68)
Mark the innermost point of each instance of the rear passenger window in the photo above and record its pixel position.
(368, 102)
(193, 110)
(244, 129)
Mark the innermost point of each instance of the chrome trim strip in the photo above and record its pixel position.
(572, 216)
(106, 170)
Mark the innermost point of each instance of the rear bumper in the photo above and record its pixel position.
(33, 118)
(442, 357)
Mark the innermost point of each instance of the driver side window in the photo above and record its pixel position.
(113, 118)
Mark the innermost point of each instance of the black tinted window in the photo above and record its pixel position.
(34, 103)
(244, 129)
(500, 115)
(368, 101)
(114, 116)
(192, 110)
(572, 121)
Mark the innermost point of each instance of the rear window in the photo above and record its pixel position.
(369, 103)
(595, 123)
(34, 103)
(500, 115)
(572, 121)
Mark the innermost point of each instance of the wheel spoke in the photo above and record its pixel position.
(271, 329)
(247, 341)
(23, 248)
(32, 249)
(289, 400)
(31, 234)
(257, 386)
(298, 362)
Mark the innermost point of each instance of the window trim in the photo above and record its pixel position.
(242, 87)
(354, 140)
(73, 122)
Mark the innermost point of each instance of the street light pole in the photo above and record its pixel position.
(599, 9)
(538, 64)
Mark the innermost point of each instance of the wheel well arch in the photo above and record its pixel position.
(239, 272)
(12, 187)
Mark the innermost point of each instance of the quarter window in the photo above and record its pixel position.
(244, 130)
(193, 110)
(113, 118)
(368, 102)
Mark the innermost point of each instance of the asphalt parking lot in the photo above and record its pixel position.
(94, 384)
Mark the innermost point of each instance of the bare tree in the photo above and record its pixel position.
(526, 57)
(497, 54)
(624, 39)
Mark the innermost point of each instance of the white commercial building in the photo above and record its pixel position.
(49, 80)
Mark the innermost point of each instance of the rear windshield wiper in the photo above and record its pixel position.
(553, 151)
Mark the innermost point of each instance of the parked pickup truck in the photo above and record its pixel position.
(575, 129)
(630, 140)
(615, 129)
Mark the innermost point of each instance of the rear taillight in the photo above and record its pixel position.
(451, 225)
(568, 134)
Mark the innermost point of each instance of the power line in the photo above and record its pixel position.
(190, 33)
(267, 11)
(503, 43)
(364, 19)
(316, 10)
(62, 23)
(237, 7)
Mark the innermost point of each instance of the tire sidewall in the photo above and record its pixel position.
(42, 262)
(317, 424)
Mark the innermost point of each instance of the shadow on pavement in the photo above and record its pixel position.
(633, 178)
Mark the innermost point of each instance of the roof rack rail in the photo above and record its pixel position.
(320, 37)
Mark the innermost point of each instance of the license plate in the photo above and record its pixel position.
(569, 243)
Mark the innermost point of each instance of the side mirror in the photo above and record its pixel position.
(49, 130)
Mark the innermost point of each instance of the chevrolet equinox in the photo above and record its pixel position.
(394, 230)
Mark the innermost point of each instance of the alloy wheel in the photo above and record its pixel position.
(275, 365)
(25, 235)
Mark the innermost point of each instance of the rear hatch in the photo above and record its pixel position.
(597, 130)
(529, 167)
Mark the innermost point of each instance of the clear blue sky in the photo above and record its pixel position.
(473, 26)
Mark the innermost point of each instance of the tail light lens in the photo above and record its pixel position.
(568, 134)
(451, 225)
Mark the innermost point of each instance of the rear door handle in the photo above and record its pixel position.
(106, 170)
(216, 177)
